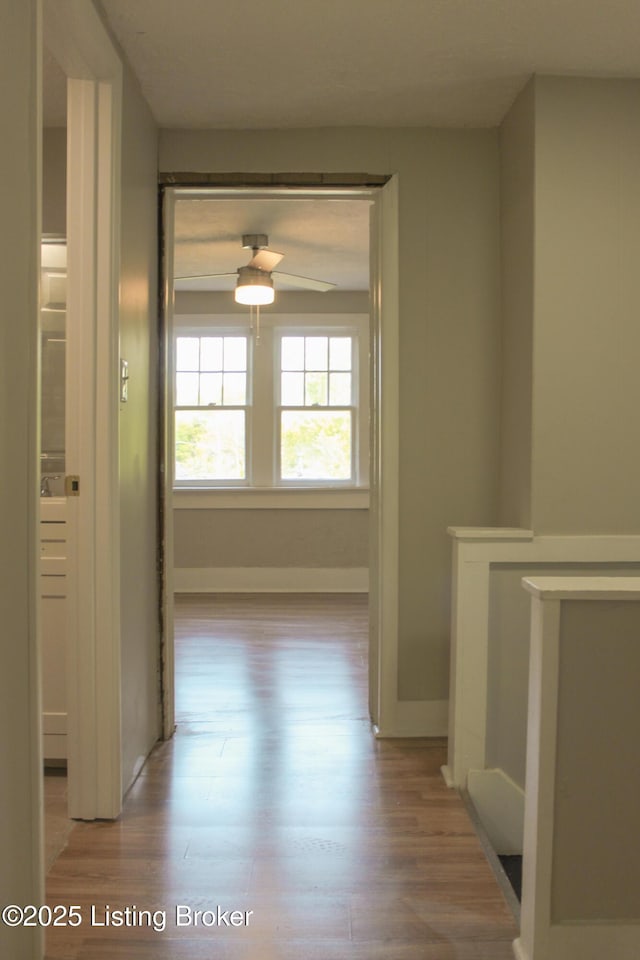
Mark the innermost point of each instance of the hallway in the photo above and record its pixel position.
(274, 800)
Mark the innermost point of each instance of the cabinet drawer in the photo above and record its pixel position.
(53, 548)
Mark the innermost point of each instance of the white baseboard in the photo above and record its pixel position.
(447, 776)
(580, 940)
(499, 803)
(519, 951)
(270, 579)
(417, 718)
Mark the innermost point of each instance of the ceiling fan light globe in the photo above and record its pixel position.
(254, 295)
(254, 287)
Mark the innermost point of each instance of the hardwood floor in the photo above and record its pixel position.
(57, 825)
(274, 797)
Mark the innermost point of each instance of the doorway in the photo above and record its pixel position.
(87, 78)
(201, 316)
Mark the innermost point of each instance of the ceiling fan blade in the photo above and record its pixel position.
(208, 276)
(265, 260)
(307, 283)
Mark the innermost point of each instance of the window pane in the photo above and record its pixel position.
(210, 389)
(315, 445)
(235, 389)
(210, 445)
(315, 389)
(235, 353)
(187, 389)
(292, 390)
(292, 353)
(211, 353)
(316, 353)
(340, 389)
(340, 353)
(187, 353)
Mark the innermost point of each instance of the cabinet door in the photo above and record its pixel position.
(53, 616)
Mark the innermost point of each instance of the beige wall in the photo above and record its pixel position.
(215, 302)
(596, 872)
(271, 538)
(20, 763)
(449, 338)
(586, 468)
(54, 181)
(138, 433)
(570, 212)
(517, 236)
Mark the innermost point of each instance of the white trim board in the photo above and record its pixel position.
(416, 718)
(588, 941)
(251, 498)
(499, 803)
(582, 927)
(271, 580)
(384, 448)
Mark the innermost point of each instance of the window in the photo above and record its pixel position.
(211, 408)
(288, 410)
(316, 408)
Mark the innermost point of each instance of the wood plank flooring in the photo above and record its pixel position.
(274, 797)
(57, 825)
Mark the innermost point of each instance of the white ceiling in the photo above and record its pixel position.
(297, 63)
(321, 239)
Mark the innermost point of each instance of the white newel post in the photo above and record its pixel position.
(581, 870)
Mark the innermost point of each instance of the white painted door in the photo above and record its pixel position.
(75, 35)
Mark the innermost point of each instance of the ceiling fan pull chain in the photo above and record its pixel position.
(255, 329)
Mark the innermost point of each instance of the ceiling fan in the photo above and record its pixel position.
(255, 279)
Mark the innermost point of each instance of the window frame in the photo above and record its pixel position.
(321, 330)
(221, 330)
(263, 409)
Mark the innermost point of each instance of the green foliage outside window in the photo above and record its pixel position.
(315, 445)
(210, 445)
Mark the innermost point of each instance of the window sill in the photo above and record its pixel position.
(284, 498)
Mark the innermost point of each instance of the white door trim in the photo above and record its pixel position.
(167, 444)
(77, 38)
(385, 494)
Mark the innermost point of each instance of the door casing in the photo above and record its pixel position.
(384, 478)
(77, 38)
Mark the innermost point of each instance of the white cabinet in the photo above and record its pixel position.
(53, 616)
